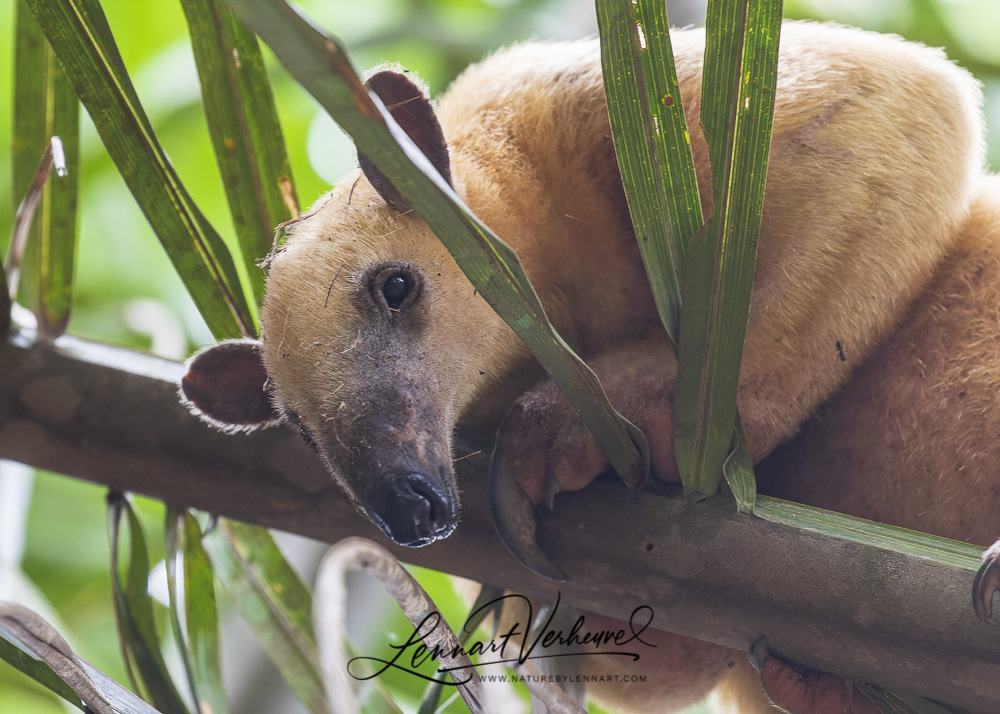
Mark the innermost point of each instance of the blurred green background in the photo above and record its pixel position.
(128, 293)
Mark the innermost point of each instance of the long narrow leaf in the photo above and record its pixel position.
(172, 522)
(321, 66)
(45, 105)
(28, 139)
(274, 602)
(654, 153)
(24, 219)
(81, 38)
(202, 621)
(652, 143)
(15, 652)
(738, 470)
(59, 235)
(737, 108)
(16, 655)
(35, 635)
(243, 122)
(134, 611)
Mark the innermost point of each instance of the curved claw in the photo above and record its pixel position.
(514, 519)
(986, 583)
(758, 654)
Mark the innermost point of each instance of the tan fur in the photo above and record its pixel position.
(875, 157)
(912, 440)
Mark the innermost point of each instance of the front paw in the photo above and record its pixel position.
(543, 447)
(800, 690)
(546, 447)
(541, 450)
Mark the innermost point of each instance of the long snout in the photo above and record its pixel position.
(393, 456)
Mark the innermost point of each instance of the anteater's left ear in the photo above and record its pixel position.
(225, 386)
(415, 115)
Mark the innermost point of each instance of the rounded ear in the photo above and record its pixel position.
(415, 115)
(224, 386)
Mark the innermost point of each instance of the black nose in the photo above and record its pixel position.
(415, 510)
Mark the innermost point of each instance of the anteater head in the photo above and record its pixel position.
(374, 343)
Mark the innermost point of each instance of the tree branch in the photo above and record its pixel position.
(111, 416)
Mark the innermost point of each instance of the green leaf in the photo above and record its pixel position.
(134, 611)
(246, 135)
(654, 153)
(737, 108)
(172, 521)
(274, 602)
(202, 621)
(28, 140)
(15, 652)
(24, 219)
(323, 69)
(35, 648)
(738, 471)
(869, 533)
(81, 38)
(19, 659)
(652, 143)
(199, 648)
(45, 105)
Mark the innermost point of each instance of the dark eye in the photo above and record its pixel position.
(395, 286)
(394, 290)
